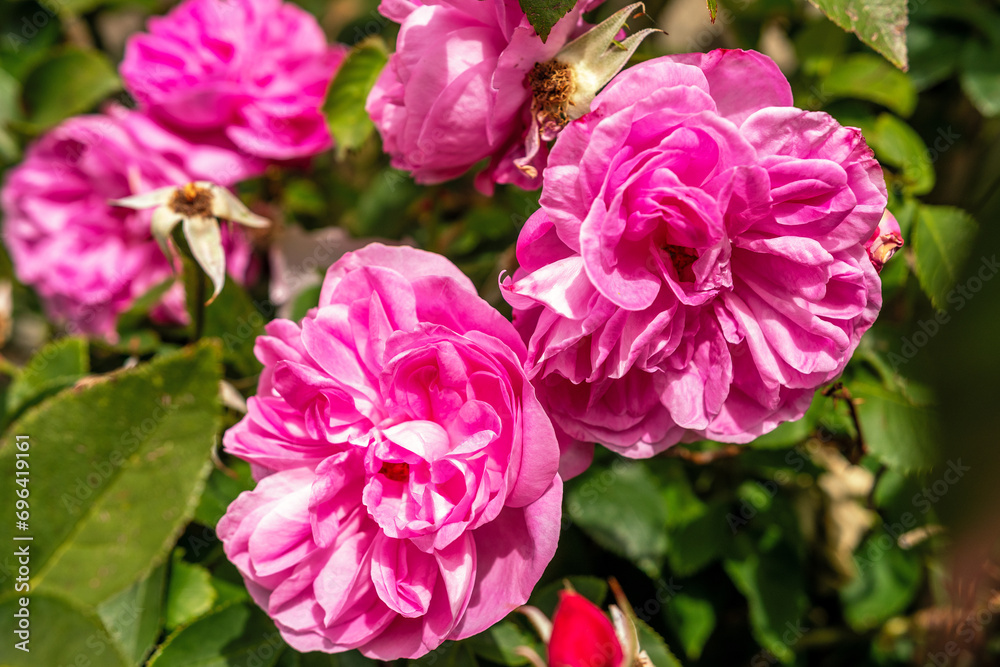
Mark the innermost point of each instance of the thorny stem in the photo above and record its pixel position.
(838, 390)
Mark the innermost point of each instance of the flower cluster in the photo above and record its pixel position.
(702, 261)
(705, 256)
(210, 108)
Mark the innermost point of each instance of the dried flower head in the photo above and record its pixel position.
(199, 206)
(563, 88)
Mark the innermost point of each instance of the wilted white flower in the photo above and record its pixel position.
(199, 206)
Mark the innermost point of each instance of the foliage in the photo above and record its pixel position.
(813, 544)
(345, 100)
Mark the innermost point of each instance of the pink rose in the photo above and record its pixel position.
(89, 260)
(408, 491)
(456, 91)
(698, 265)
(251, 73)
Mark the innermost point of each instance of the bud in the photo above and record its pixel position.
(199, 206)
(580, 635)
(885, 241)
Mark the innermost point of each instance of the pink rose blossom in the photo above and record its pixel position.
(252, 73)
(89, 260)
(407, 489)
(455, 91)
(698, 265)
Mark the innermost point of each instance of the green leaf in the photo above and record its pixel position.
(116, 470)
(693, 619)
(10, 96)
(905, 212)
(68, 82)
(622, 510)
(713, 9)
(702, 540)
(226, 591)
(887, 581)
(344, 106)
(80, 7)
(772, 584)
(934, 55)
(786, 435)
(942, 238)
(305, 301)
(292, 658)
(133, 344)
(544, 14)
(449, 654)
(190, 594)
(236, 635)
(29, 44)
(303, 196)
(820, 45)
(492, 224)
(382, 207)
(53, 368)
(346, 659)
(790, 434)
(898, 145)
(138, 312)
(899, 427)
(654, 646)
(981, 74)
(865, 76)
(221, 490)
(61, 633)
(498, 644)
(881, 24)
(683, 505)
(134, 616)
